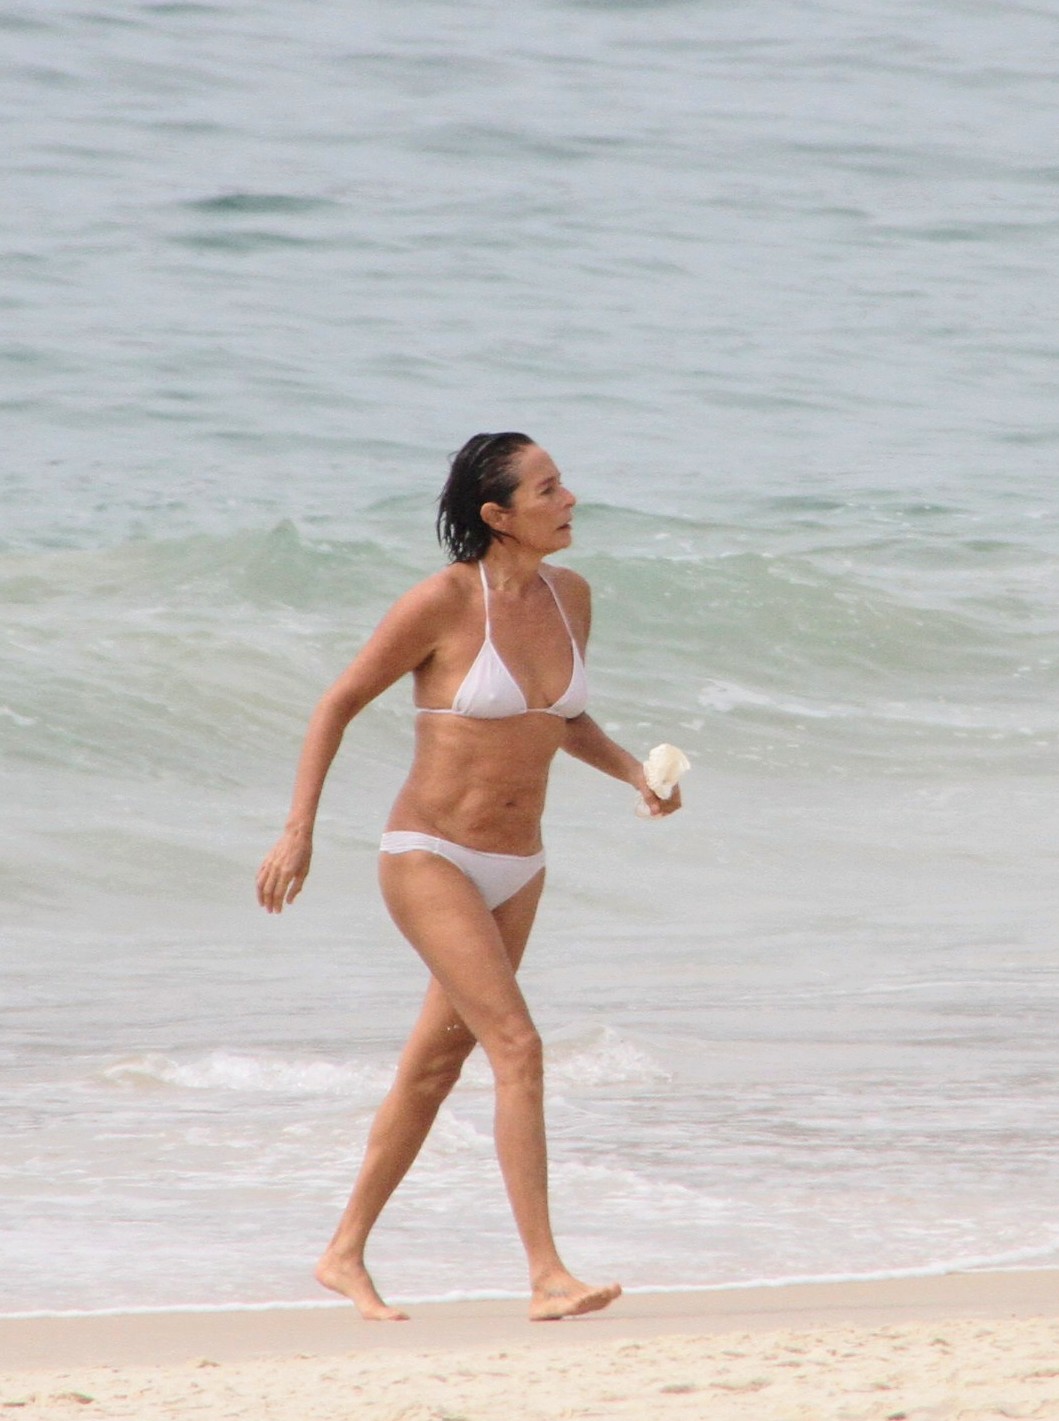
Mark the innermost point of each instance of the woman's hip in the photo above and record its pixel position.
(497, 876)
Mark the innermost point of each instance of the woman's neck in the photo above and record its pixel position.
(511, 567)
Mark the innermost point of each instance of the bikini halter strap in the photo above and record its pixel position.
(547, 582)
(485, 595)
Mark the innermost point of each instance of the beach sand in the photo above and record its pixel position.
(963, 1347)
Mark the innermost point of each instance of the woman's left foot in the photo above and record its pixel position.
(563, 1296)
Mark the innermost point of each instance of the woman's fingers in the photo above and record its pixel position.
(267, 883)
(672, 804)
(659, 806)
(280, 878)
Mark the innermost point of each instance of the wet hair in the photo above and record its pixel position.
(481, 472)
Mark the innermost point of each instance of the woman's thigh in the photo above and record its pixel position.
(516, 917)
(471, 953)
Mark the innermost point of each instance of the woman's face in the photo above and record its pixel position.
(539, 516)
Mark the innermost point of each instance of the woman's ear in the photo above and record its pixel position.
(493, 515)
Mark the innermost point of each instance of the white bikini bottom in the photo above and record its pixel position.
(497, 877)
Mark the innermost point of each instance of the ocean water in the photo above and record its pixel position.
(774, 284)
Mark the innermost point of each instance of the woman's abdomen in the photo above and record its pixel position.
(480, 783)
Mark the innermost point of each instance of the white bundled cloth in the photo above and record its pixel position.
(662, 768)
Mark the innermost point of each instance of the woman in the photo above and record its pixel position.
(495, 646)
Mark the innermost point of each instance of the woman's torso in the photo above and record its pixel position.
(479, 778)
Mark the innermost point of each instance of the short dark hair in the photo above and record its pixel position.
(481, 472)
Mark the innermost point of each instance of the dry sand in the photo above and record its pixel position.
(967, 1347)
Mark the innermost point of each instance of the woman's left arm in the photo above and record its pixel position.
(586, 741)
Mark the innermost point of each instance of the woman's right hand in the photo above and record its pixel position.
(283, 873)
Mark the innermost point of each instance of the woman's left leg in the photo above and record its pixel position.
(445, 920)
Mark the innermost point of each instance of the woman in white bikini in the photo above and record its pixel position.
(495, 646)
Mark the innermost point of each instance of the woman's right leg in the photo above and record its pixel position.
(429, 1067)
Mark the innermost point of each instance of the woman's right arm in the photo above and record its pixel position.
(283, 873)
(403, 640)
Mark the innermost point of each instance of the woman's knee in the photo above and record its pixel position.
(516, 1052)
(432, 1077)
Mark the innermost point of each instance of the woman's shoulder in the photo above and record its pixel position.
(570, 585)
(575, 596)
(441, 594)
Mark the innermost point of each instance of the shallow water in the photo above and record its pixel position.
(772, 283)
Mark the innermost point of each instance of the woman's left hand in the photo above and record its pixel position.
(658, 807)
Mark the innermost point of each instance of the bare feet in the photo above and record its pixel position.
(561, 1295)
(353, 1281)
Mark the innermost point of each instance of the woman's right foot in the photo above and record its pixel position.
(353, 1281)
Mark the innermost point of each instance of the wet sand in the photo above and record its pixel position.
(974, 1346)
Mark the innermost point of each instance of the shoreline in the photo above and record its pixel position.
(327, 1299)
(328, 1328)
(978, 1346)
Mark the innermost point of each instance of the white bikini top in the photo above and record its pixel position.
(490, 692)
